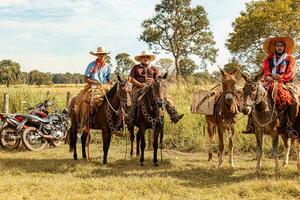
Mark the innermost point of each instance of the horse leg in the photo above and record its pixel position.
(83, 144)
(287, 147)
(138, 140)
(155, 147)
(231, 135)
(298, 155)
(131, 131)
(221, 146)
(210, 130)
(259, 151)
(106, 137)
(143, 146)
(275, 152)
(73, 139)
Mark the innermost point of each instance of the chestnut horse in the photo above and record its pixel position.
(107, 118)
(149, 115)
(267, 120)
(224, 117)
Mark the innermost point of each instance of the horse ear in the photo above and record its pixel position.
(259, 75)
(222, 71)
(244, 76)
(119, 78)
(233, 72)
(165, 75)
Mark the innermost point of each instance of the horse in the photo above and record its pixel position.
(224, 117)
(267, 120)
(108, 118)
(149, 115)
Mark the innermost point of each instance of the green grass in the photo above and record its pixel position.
(52, 174)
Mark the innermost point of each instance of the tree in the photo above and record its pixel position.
(165, 64)
(36, 77)
(188, 66)
(181, 30)
(9, 72)
(124, 64)
(260, 20)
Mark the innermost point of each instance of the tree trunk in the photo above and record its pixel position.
(177, 69)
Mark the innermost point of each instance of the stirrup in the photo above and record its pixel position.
(293, 134)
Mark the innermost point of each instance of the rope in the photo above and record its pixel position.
(274, 95)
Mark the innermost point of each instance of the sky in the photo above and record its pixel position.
(57, 35)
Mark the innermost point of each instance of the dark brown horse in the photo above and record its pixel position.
(107, 118)
(149, 115)
(267, 120)
(224, 117)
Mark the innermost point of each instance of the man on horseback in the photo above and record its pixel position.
(141, 76)
(98, 79)
(279, 72)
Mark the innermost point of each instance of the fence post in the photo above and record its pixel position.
(69, 96)
(47, 94)
(6, 103)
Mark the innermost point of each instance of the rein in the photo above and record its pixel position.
(270, 120)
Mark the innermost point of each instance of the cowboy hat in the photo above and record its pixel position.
(269, 44)
(100, 50)
(144, 53)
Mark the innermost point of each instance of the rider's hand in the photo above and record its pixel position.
(269, 78)
(277, 77)
(145, 85)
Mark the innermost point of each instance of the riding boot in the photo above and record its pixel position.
(249, 127)
(174, 115)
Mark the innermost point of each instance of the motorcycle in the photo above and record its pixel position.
(10, 132)
(40, 131)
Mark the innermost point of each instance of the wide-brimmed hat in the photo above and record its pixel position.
(269, 44)
(100, 50)
(143, 54)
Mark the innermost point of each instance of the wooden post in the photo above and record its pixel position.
(6, 103)
(69, 96)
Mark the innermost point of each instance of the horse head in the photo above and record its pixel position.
(228, 85)
(158, 88)
(124, 91)
(253, 93)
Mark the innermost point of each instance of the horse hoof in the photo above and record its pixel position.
(156, 164)
(141, 164)
(75, 158)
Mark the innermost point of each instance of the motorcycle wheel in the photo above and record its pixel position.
(9, 138)
(32, 139)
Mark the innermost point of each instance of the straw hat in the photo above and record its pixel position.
(144, 53)
(269, 44)
(100, 50)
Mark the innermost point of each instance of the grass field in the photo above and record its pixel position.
(52, 174)
(184, 174)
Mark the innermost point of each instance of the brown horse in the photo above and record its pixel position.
(149, 115)
(107, 118)
(267, 120)
(224, 117)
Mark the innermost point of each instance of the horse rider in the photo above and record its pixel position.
(141, 76)
(98, 79)
(280, 66)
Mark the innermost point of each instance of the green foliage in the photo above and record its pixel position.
(36, 77)
(181, 30)
(68, 78)
(9, 72)
(260, 20)
(187, 67)
(165, 65)
(124, 64)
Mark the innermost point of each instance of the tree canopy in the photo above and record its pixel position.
(9, 72)
(260, 20)
(180, 29)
